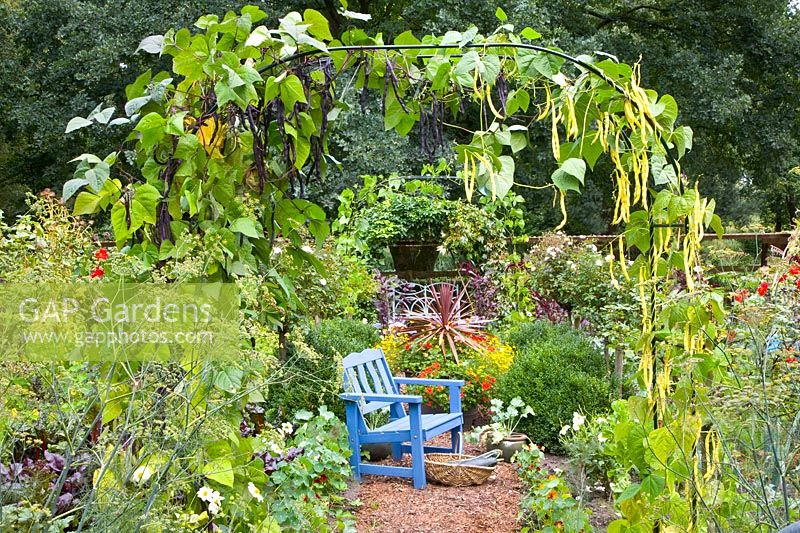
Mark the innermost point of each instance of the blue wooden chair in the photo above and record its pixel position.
(369, 386)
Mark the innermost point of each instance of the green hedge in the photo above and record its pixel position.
(313, 363)
(557, 370)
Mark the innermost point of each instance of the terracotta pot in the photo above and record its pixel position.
(509, 446)
(414, 256)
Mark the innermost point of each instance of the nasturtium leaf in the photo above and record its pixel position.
(569, 177)
(153, 44)
(86, 203)
(500, 14)
(77, 123)
(245, 226)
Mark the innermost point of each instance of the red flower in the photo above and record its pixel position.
(794, 270)
(740, 295)
(798, 283)
(791, 359)
(436, 365)
(428, 346)
(98, 272)
(101, 254)
(428, 390)
(552, 494)
(407, 347)
(763, 288)
(486, 385)
(429, 403)
(783, 278)
(321, 479)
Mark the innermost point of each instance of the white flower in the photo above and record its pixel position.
(600, 420)
(323, 281)
(600, 438)
(286, 428)
(577, 420)
(255, 492)
(275, 448)
(592, 248)
(307, 249)
(609, 258)
(277, 250)
(598, 262)
(213, 507)
(141, 474)
(123, 66)
(564, 430)
(215, 498)
(204, 493)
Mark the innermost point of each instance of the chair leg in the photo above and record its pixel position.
(457, 439)
(417, 447)
(355, 444)
(397, 451)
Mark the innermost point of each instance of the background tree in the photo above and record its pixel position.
(732, 65)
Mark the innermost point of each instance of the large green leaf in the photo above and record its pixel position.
(245, 226)
(219, 470)
(569, 177)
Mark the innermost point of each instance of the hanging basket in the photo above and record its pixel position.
(454, 470)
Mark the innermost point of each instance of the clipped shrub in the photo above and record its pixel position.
(313, 372)
(557, 371)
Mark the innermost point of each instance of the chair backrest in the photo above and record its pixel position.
(368, 373)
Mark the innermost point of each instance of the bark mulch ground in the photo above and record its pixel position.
(391, 504)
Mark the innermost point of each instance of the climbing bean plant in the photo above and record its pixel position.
(225, 144)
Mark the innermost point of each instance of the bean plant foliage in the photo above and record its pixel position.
(225, 145)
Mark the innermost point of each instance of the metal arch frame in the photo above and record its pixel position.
(523, 46)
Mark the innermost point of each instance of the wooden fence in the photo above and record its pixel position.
(765, 241)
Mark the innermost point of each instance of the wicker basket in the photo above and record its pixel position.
(439, 469)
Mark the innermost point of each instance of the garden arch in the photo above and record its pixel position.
(225, 141)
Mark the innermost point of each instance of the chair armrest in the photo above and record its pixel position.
(453, 388)
(390, 398)
(434, 382)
